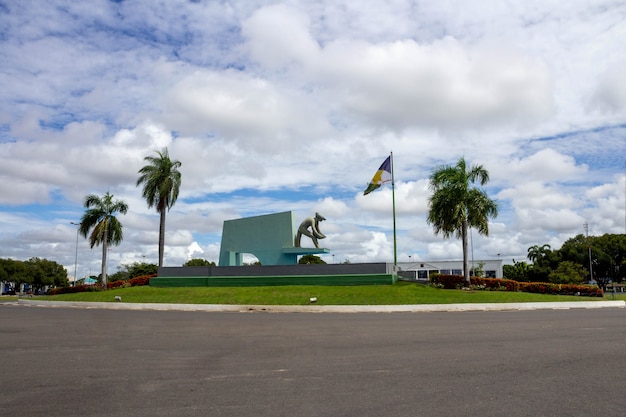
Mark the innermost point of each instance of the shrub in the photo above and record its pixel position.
(141, 280)
(118, 284)
(457, 281)
(498, 284)
(448, 282)
(77, 288)
(561, 289)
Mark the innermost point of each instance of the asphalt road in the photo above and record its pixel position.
(90, 362)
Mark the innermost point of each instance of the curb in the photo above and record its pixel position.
(413, 308)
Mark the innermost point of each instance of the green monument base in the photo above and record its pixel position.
(256, 275)
(262, 281)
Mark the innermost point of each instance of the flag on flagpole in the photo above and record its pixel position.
(382, 176)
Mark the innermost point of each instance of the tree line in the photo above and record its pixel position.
(43, 274)
(37, 273)
(599, 259)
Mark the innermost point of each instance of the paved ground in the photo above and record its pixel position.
(99, 362)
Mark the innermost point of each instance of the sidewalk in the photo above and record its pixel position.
(314, 308)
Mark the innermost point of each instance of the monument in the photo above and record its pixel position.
(275, 241)
(272, 238)
(314, 234)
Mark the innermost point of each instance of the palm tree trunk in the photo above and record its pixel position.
(465, 254)
(104, 260)
(161, 236)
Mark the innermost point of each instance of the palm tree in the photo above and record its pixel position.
(161, 183)
(107, 229)
(455, 205)
(536, 252)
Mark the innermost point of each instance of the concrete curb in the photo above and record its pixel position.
(312, 308)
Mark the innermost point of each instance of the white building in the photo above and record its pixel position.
(421, 270)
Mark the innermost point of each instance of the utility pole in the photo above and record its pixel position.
(586, 227)
(76, 253)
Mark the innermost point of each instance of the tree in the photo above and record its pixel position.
(455, 205)
(46, 273)
(137, 269)
(545, 261)
(310, 260)
(16, 272)
(107, 229)
(118, 276)
(161, 183)
(536, 252)
(479, 270)
(608, 253)
(198, 262)
(517, 272)
(3, 274)
(568, 273)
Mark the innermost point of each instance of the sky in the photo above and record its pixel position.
(277, 106)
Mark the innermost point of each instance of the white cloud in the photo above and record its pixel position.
(377, 247)
(446, 250)
(607, 211)
(546, 165)
(249, 110)
(538, 196)
(278, 36)
(550, 219)
(194, 249)
(331, 207)
(610, 94)
(443, 84)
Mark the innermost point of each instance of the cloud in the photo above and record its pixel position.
(559, 220)
(194, 249)
(607, 208)
(610, 93)
(279, 36)
(18, 192)
(443, 84)
(546, 165)
(377, 247)
(537, 196)
(404, 83)
(249, 110)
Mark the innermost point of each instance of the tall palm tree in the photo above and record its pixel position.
(456, 205)
(107, 229)
(161, 183)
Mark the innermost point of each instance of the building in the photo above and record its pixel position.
(422, 270)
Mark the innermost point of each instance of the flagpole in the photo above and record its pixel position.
(393, 199)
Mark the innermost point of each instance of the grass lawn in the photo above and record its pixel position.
(398, 293)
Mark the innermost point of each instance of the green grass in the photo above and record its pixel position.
(398, 293)
(618, 296)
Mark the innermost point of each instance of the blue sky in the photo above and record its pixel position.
(275, 106)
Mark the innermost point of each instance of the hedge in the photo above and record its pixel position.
(499, 284)
(134, 282)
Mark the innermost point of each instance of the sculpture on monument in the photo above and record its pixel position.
(314, 234)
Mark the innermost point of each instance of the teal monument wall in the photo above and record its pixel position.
(269, 237)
